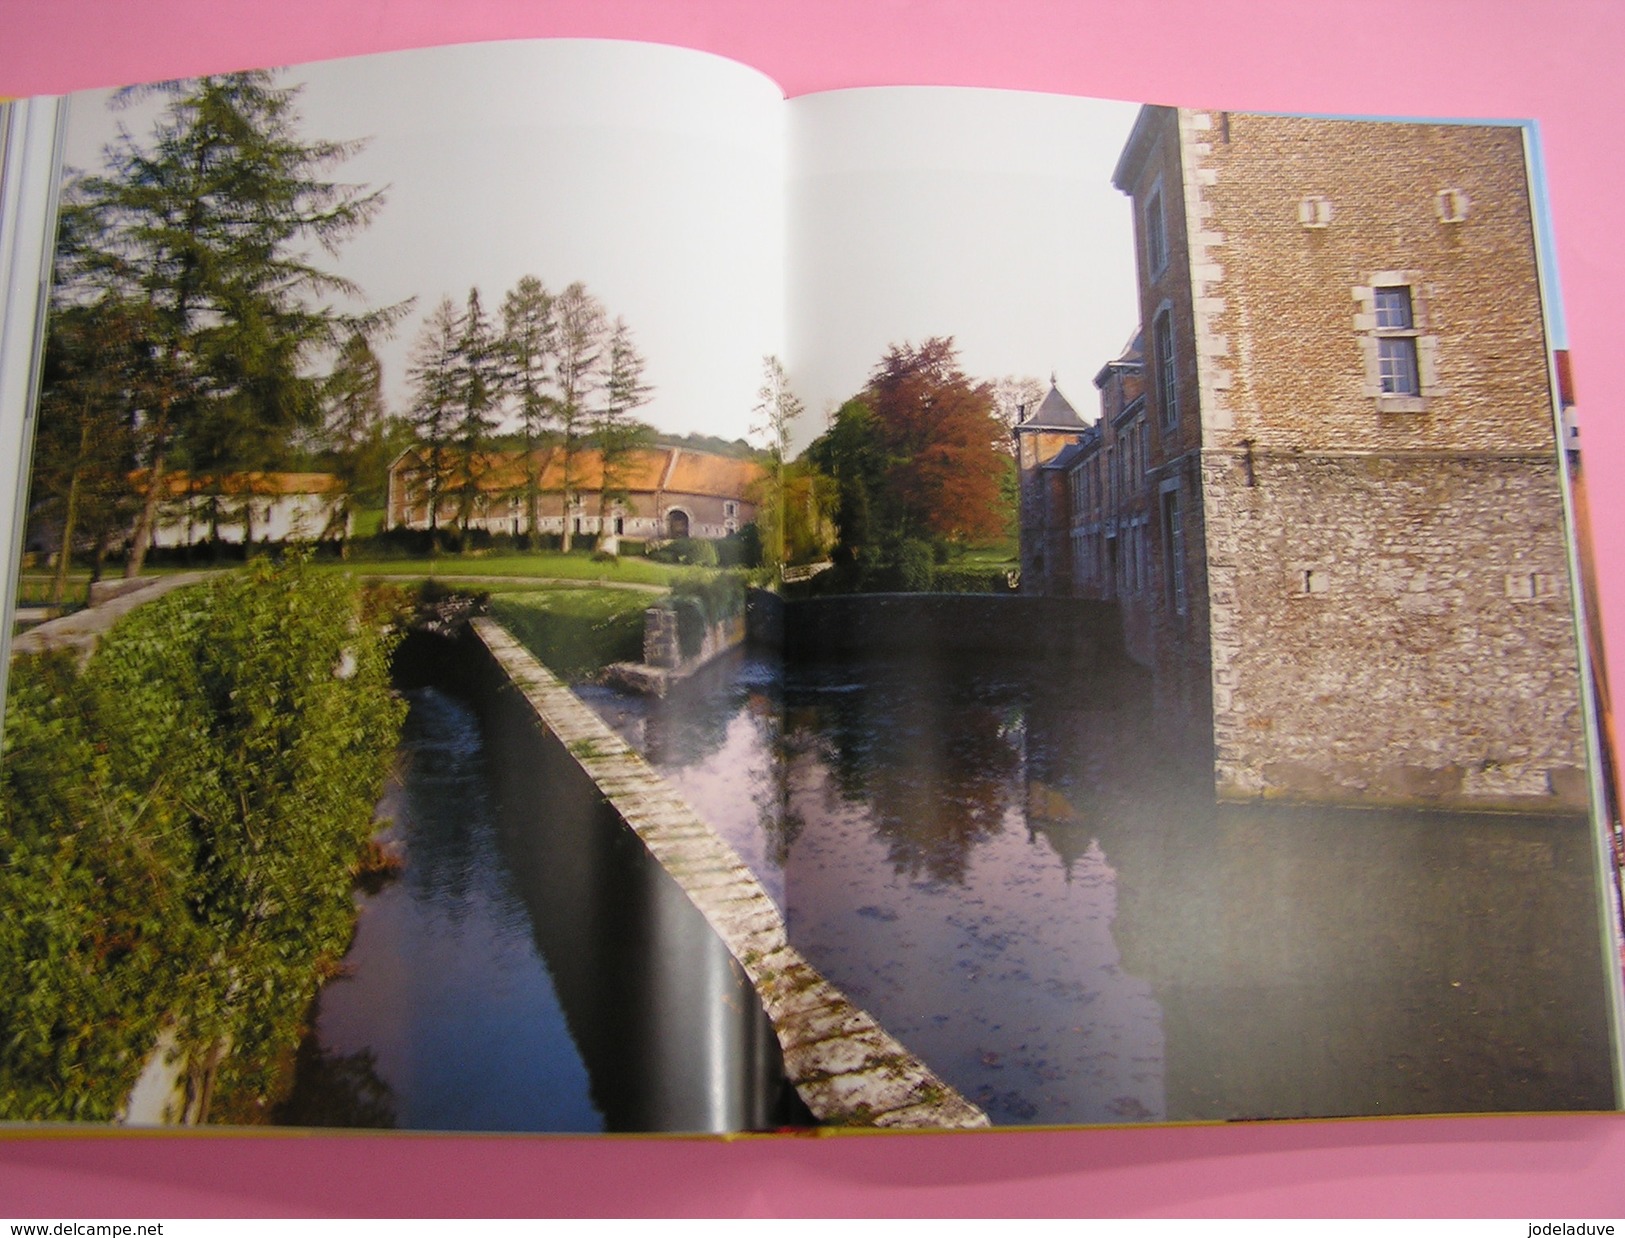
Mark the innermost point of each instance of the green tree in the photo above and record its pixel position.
(95, 368)
(853, 456)
(478, 383)
(433, 415)
(578, 353)
(215, 219)
(775, 411)
(617, 434)
(528, 332)
(356, 434)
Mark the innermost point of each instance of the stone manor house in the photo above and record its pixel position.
(1324, 484)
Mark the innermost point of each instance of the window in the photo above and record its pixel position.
(1173, 550)
(730, 508)
(1401, 357)
(1396, 342)
(1162, 344)
(1156, 235)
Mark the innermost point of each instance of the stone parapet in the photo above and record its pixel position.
(848, 1070)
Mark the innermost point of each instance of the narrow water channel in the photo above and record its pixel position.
(1017, 878)
(446, 1016)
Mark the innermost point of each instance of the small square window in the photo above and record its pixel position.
(1393, 307)
(1396, 365)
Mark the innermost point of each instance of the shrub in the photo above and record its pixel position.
(179, 824)
(973, 578)
(914, 566)
(691, 551)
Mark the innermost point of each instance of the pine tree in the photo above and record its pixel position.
(434, 403)
(95, 365)
(212, 220)
(580, 345)
(528, 332)
(617, 434)
(478, 383)
(355, 434)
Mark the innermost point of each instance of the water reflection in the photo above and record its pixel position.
(1015, 874)
(446, 1018)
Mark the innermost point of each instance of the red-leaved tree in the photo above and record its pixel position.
(933, 422)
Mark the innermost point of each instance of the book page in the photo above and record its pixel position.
(591, 599)
(1215, 798)
(398, 341)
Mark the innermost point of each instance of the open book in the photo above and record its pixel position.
(948, 608)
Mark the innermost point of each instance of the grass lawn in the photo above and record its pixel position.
(1000, 552)
(575, 632)
(548, 565)
(543, 565)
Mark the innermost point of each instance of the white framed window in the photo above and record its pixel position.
(1396, 341)
(1401, 371)
(1167, 372)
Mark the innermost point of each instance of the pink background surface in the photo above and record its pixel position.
(1559, 61)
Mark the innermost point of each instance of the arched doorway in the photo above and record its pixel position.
(676, 523)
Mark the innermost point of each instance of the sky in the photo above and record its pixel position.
(722, 223)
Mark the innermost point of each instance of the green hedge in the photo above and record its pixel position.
(179, 825)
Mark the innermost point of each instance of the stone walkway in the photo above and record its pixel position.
(848, 1069)
(81, 630)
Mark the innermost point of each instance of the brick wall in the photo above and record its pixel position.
(1378, 603)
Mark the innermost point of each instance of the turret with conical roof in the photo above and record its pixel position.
(1043, 433)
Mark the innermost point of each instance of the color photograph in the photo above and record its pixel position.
(562, 592)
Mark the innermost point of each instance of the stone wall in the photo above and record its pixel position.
(1394, 630)
(1377, 601)
(846, 1068)
(1075, 630)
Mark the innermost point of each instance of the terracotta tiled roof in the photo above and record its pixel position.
(645, 470)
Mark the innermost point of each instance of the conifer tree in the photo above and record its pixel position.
(215, 219)
(434, 403)
(94, 367)
(478, 384)
(355, 433)
(618, 434)
(528, 332)
(579, 350)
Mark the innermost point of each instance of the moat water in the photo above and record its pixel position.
(446, 1016)
(1014, 874)
(1008, 867)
